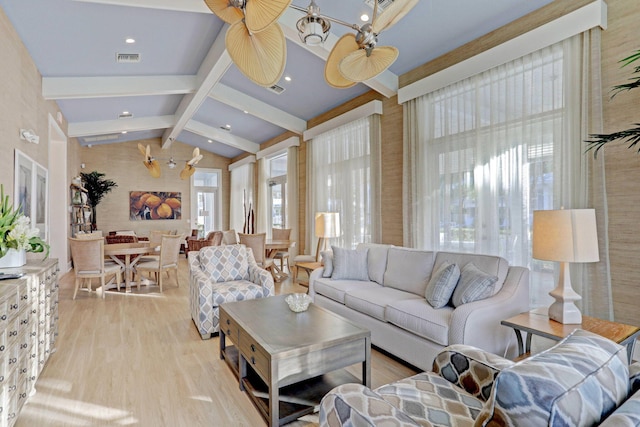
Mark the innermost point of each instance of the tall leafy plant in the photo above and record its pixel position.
(632, 135)
(97, 187)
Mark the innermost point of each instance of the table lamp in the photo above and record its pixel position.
(565, 235)
(327, 226)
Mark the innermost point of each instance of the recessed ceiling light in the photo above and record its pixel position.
(130, 40)
(124, 131)
(226, 127)
(287, 78)
(245, 111)
(125, 112)
(364, 17)
(209, 141)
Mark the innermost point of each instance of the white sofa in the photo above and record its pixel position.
(392, 304)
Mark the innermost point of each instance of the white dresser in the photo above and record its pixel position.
(28, 332)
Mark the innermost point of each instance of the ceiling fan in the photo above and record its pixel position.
(257, 44)
(149, 162)
(154, 167)
(189, 167)
(255, 40)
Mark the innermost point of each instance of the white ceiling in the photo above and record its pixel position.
(185, 87)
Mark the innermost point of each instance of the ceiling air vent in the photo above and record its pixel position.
(127, 58)
(276, 89)
(382, 4)
(99, 138)
(125, 115)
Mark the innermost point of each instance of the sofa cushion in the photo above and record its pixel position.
(490, 264)
(408, 270)
(578, 382)
(225, 263)
(327, 262)
(373, 302)
(442, 284)
(337, 289)
(627, 415)
(350, 264)
(474, 285)
(430, 400)
(418, 317)
(376, 260)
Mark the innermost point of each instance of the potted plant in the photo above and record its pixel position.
(96, 187)
(16, 235)
(632, 135)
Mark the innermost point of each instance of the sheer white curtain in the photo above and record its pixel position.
(292, 196)
(483, 153)
(342, 179)
(241, 195)
(261, 211)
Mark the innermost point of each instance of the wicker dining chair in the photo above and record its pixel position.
(281, 234)
(167, 261)
(88, 263)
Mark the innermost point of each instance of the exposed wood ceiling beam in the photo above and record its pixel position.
(197, 6)
(80, 129)
(101, 87)
(257, 108)
(221, 136)
(211, 71)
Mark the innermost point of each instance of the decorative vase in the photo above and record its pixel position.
(13, 258)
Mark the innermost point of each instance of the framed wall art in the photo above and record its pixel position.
(154, 205)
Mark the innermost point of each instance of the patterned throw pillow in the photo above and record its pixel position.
(473, 285)
(350, 264)
(442, 284)
(327, 261)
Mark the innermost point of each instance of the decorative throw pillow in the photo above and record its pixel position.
(350, 264)
(327, 261)
(442, 284)
(473, 285)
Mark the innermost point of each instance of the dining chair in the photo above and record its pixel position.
(281, 234)
(88, 263)
(257, 244)
(167, 261)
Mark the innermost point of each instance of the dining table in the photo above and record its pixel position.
(132, 252)
(272, 246)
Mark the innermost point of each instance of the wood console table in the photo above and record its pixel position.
(537, 322)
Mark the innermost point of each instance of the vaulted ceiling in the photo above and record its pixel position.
(185, 87)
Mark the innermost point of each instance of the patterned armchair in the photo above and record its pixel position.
(584, 380)
(219, 274)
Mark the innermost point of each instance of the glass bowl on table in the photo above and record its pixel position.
(298, 302)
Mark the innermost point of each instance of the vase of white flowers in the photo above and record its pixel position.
(17, 237)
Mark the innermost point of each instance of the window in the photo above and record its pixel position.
(341, 181)
(205, 200)
(278, 191)
(487, 154)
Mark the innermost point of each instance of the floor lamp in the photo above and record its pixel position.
(565, 235)
(327, 226)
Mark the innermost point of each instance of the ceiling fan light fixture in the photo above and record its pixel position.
(313, 30)
(171, 163)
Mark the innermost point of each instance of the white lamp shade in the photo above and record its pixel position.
(566, 235)
(327, 224)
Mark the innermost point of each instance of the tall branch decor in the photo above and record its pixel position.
(632, 135)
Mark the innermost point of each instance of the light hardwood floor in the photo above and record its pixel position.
(137, 359)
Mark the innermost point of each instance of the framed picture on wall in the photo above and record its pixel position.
(31, 191)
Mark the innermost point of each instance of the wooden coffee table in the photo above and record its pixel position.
(288, 361)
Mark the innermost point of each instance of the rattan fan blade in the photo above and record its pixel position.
(392, 14)
(154, 168)
(262, 13)
(343, 47)
(259, 56)
(187, 171)
(359, 67)
(225, 11)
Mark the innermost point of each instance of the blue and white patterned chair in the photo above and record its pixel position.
(219, 274)
(584, 380)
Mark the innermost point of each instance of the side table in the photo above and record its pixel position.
(537, 322)
(308, 267)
